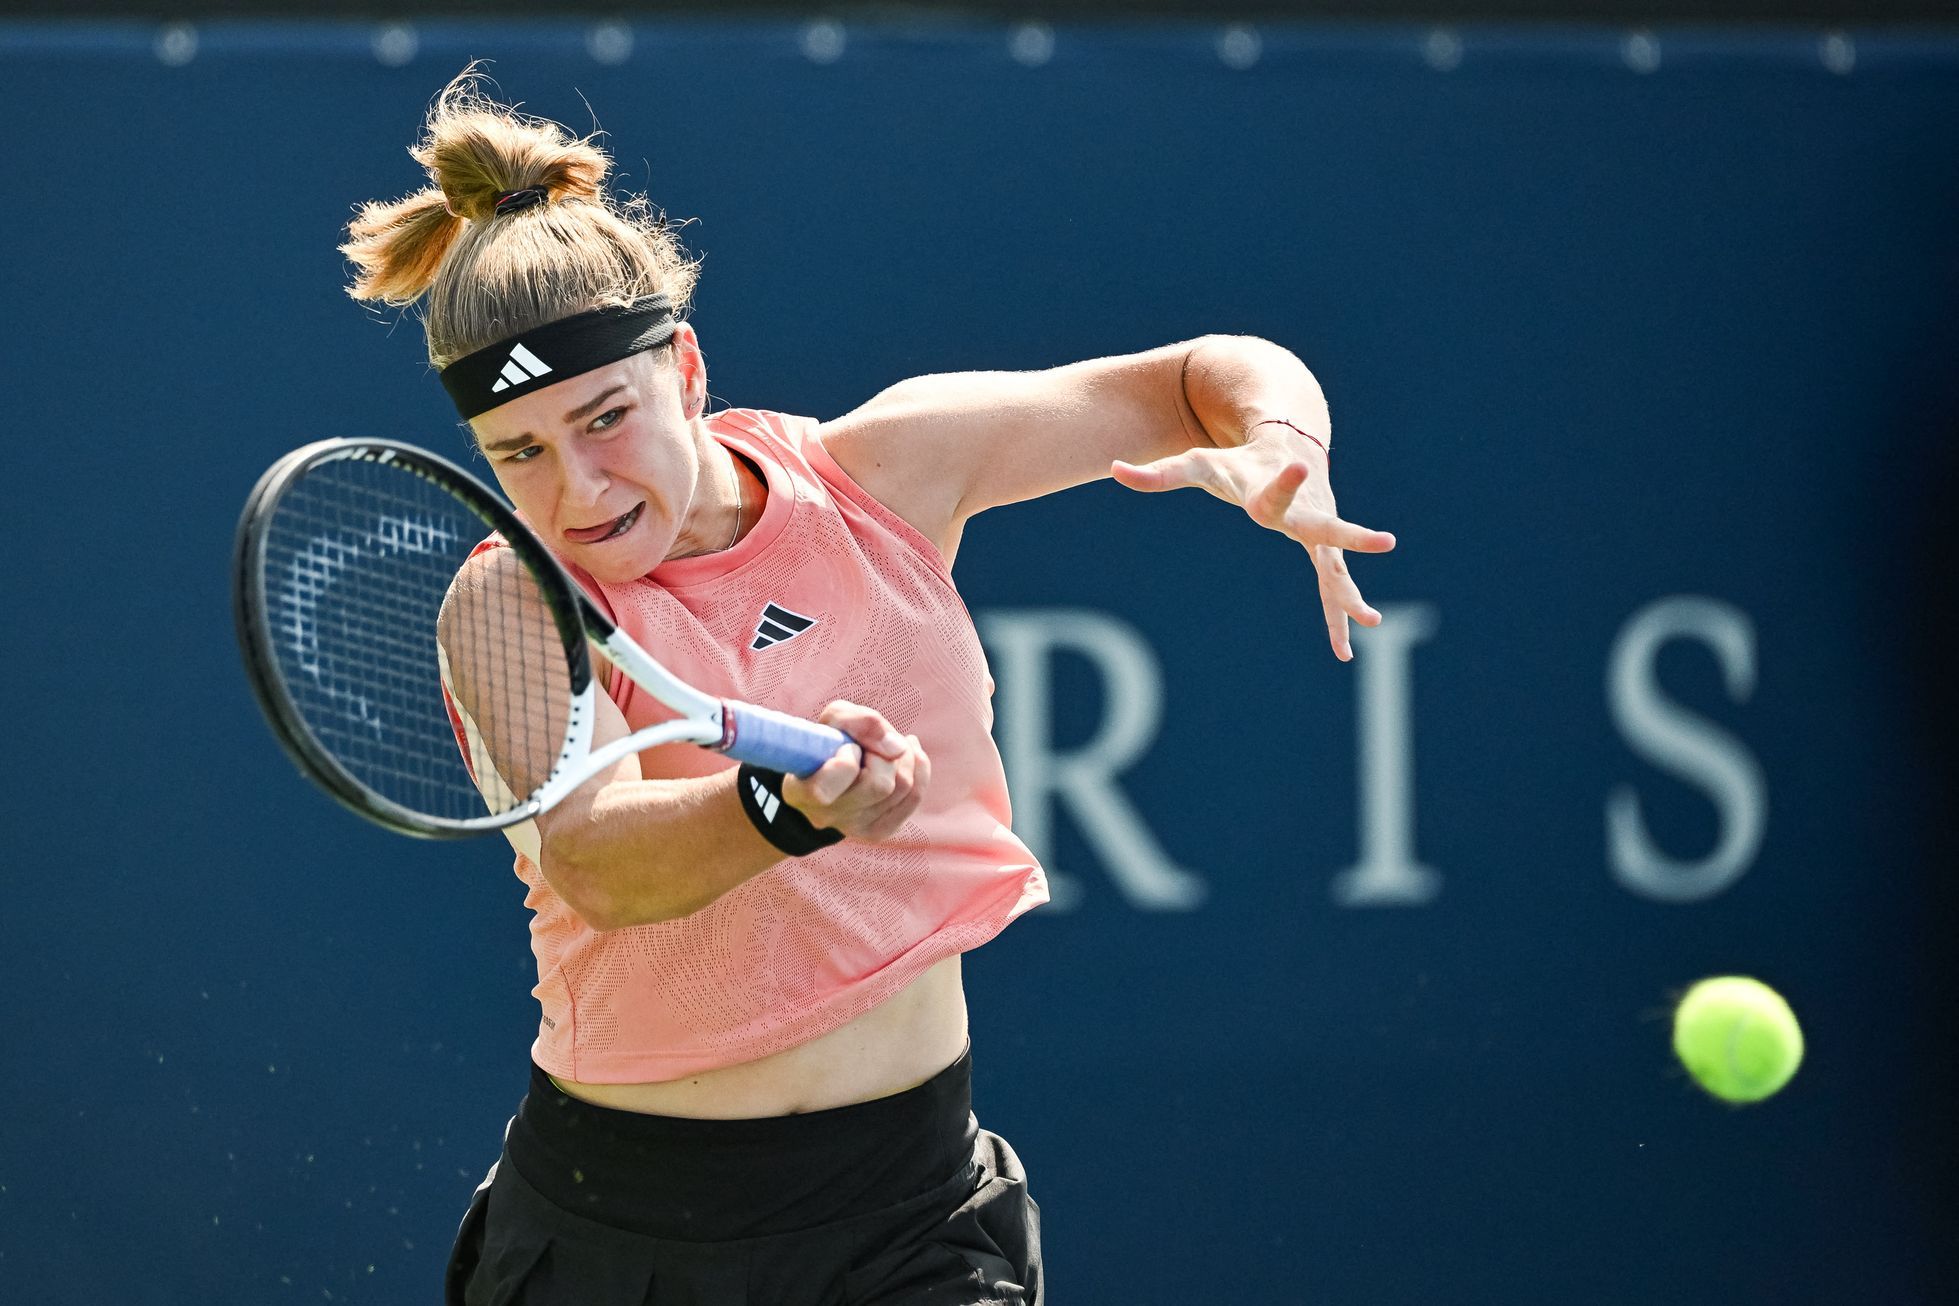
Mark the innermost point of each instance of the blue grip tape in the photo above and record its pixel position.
(777, 741)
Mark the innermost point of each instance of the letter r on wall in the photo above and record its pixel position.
(1084, 780)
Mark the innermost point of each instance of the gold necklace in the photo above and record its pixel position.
(736, 473)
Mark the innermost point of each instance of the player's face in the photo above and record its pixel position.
(608, 467)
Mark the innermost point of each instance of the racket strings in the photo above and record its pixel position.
(361, 572)
(509, 673)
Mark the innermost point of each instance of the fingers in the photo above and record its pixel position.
(1341, 601)
(1291, 502)
(1193, 467)
(902, 793)
(1327, 539)
(1279, 506)
(868, 792)
(1310, 518)
(827, 783)
(1336, 631)
(1269, 506)
(1362, 540)
(1337, 588)
(883, 796)
(1339, 610)
(866, 727)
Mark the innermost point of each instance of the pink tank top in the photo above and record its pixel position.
(830, 595)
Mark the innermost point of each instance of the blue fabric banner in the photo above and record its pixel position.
(1357, 982)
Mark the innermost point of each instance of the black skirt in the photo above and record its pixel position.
(901, 1201)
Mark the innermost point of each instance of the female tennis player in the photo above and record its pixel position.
(752, 1079)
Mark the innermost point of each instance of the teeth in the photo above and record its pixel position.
(623, 525)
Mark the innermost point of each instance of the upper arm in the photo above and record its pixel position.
(938, 449)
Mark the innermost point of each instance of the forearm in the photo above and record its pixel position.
(1232, 383)
(633, 852)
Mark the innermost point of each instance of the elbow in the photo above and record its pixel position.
(602, 913)
(1231, 342)
(1247, 352)
(1226, 380)
(594, 889)
(589, 898)
(1217, 364)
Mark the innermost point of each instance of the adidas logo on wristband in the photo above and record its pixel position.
(779, 822)
(765, 800)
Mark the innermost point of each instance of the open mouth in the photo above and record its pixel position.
(604, 531)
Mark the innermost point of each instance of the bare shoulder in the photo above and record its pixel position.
(494, 611)
(486, 569)
(887, 444)
(487, 582)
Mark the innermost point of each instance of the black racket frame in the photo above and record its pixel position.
(250, 617)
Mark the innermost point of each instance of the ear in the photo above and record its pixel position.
(691, 368)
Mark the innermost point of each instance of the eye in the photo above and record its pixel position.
(525, 454)
(605, 421)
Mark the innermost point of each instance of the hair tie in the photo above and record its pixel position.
(1280, 421)
(512, 200)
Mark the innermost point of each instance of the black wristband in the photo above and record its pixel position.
(781, 824)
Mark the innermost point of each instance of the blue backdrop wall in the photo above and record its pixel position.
(1641, 343)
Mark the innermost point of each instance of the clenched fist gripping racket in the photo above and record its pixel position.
(358, 603)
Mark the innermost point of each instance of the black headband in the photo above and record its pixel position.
(531, 360)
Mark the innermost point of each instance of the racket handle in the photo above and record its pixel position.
(775, 740)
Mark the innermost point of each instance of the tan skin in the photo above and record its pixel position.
(623, 452)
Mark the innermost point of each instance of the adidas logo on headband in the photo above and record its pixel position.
(521, 366)
(509, 369)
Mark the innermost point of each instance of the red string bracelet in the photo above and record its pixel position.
(1280, 421)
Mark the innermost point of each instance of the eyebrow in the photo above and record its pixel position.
(579, 413)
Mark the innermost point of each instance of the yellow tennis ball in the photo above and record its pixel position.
(1737, 1038)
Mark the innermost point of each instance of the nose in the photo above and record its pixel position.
(584, 482)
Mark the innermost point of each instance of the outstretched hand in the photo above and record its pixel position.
(1280, 479)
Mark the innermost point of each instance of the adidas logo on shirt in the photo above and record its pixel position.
(521, 366)
(778, 626)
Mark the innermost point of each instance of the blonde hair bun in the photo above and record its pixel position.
(488, 276)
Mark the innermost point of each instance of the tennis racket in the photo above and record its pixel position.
(431, 691)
